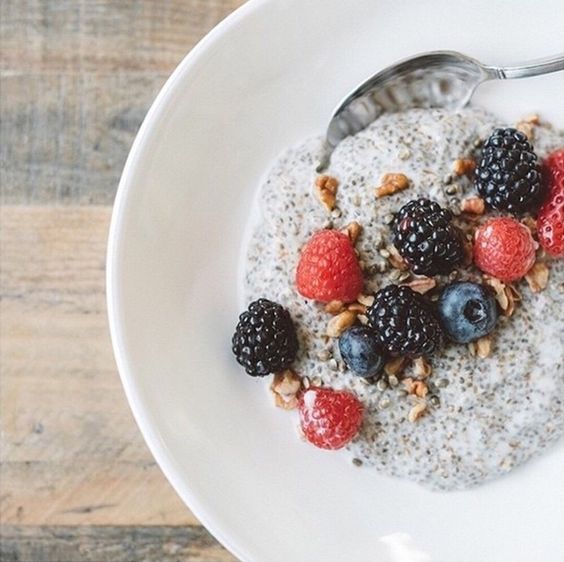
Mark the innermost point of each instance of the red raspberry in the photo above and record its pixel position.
(550, 221)
(504, 248)
(329, 418)
(328, 268)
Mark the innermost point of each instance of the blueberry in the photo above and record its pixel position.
(467, 311)
(361, 351)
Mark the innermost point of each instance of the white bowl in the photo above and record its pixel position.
(265, 78)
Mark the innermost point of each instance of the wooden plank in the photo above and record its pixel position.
(77, 78)
(103, 36)
(110, 544)
(71, 452)
(69, 135)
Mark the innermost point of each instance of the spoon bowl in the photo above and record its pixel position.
(445, 79)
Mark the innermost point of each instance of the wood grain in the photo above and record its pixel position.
(110, 544)
(77, 77)
(71, 452)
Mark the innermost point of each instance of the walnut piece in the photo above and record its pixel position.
(417, 411)
(334, 307)
(366, 300)
(285, 386)
(338, 324)
(357, 307)
(473, 205)
(422, 368)
(422, 285)
(463, 166)
(537, 277)
(395, 259)
(326, 190)
(531, 224)
(506, 295)
(481, 347)
(417, 388)
(395, 366)
(392, 183)
(353, 231)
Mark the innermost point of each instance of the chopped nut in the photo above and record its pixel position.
(417, 412)
(357, 307)
(537, 278)
(463, 166)
(468, 252)
(506, 295)
(482, 347)
(473, 205)
(532, 118)
(366, 300)
(531, 224)
(338, 324)
(418, 388)
(395, 258)
(363, 319)
(527, 125)
(326, 189)
(422, 285)
(334, 307)
(422, 368)
(353, 231)
(392, 183)
(395, 366)
(285, 387)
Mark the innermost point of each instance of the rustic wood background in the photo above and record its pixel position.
(77, 482)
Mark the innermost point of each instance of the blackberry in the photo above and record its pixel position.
(265, 338)
(425, 237)
(508, 176)
(404, 322)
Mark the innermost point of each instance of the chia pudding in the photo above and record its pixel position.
(485, 413)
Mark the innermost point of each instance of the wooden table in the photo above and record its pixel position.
(77, 481)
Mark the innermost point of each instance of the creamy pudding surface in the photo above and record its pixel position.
(484, 416)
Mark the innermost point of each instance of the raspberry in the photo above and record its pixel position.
(550, 221)
(329, 418)
(504, 248)
(328, 268)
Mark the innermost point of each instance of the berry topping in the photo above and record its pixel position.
(508, 176)
(361, 351)
(265, 339)
(550, 221)
(504, 248)
(423, 234)
(404, 322)
(329, 418)
(467, 311)
(328, 268)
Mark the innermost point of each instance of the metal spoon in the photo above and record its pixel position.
(437, 79)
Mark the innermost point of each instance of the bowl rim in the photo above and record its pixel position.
(151, 121)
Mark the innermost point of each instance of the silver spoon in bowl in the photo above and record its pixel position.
(437, 79)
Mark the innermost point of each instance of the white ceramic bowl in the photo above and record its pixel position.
(265, 78)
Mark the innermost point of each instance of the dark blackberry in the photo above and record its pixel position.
(425, 237)
(404, 322)
(265, 338)
(508, 176)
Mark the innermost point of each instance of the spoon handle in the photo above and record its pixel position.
(532, 68)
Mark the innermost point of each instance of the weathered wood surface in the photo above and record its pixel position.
(76, 79)
(71, 452)
(109, 544)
